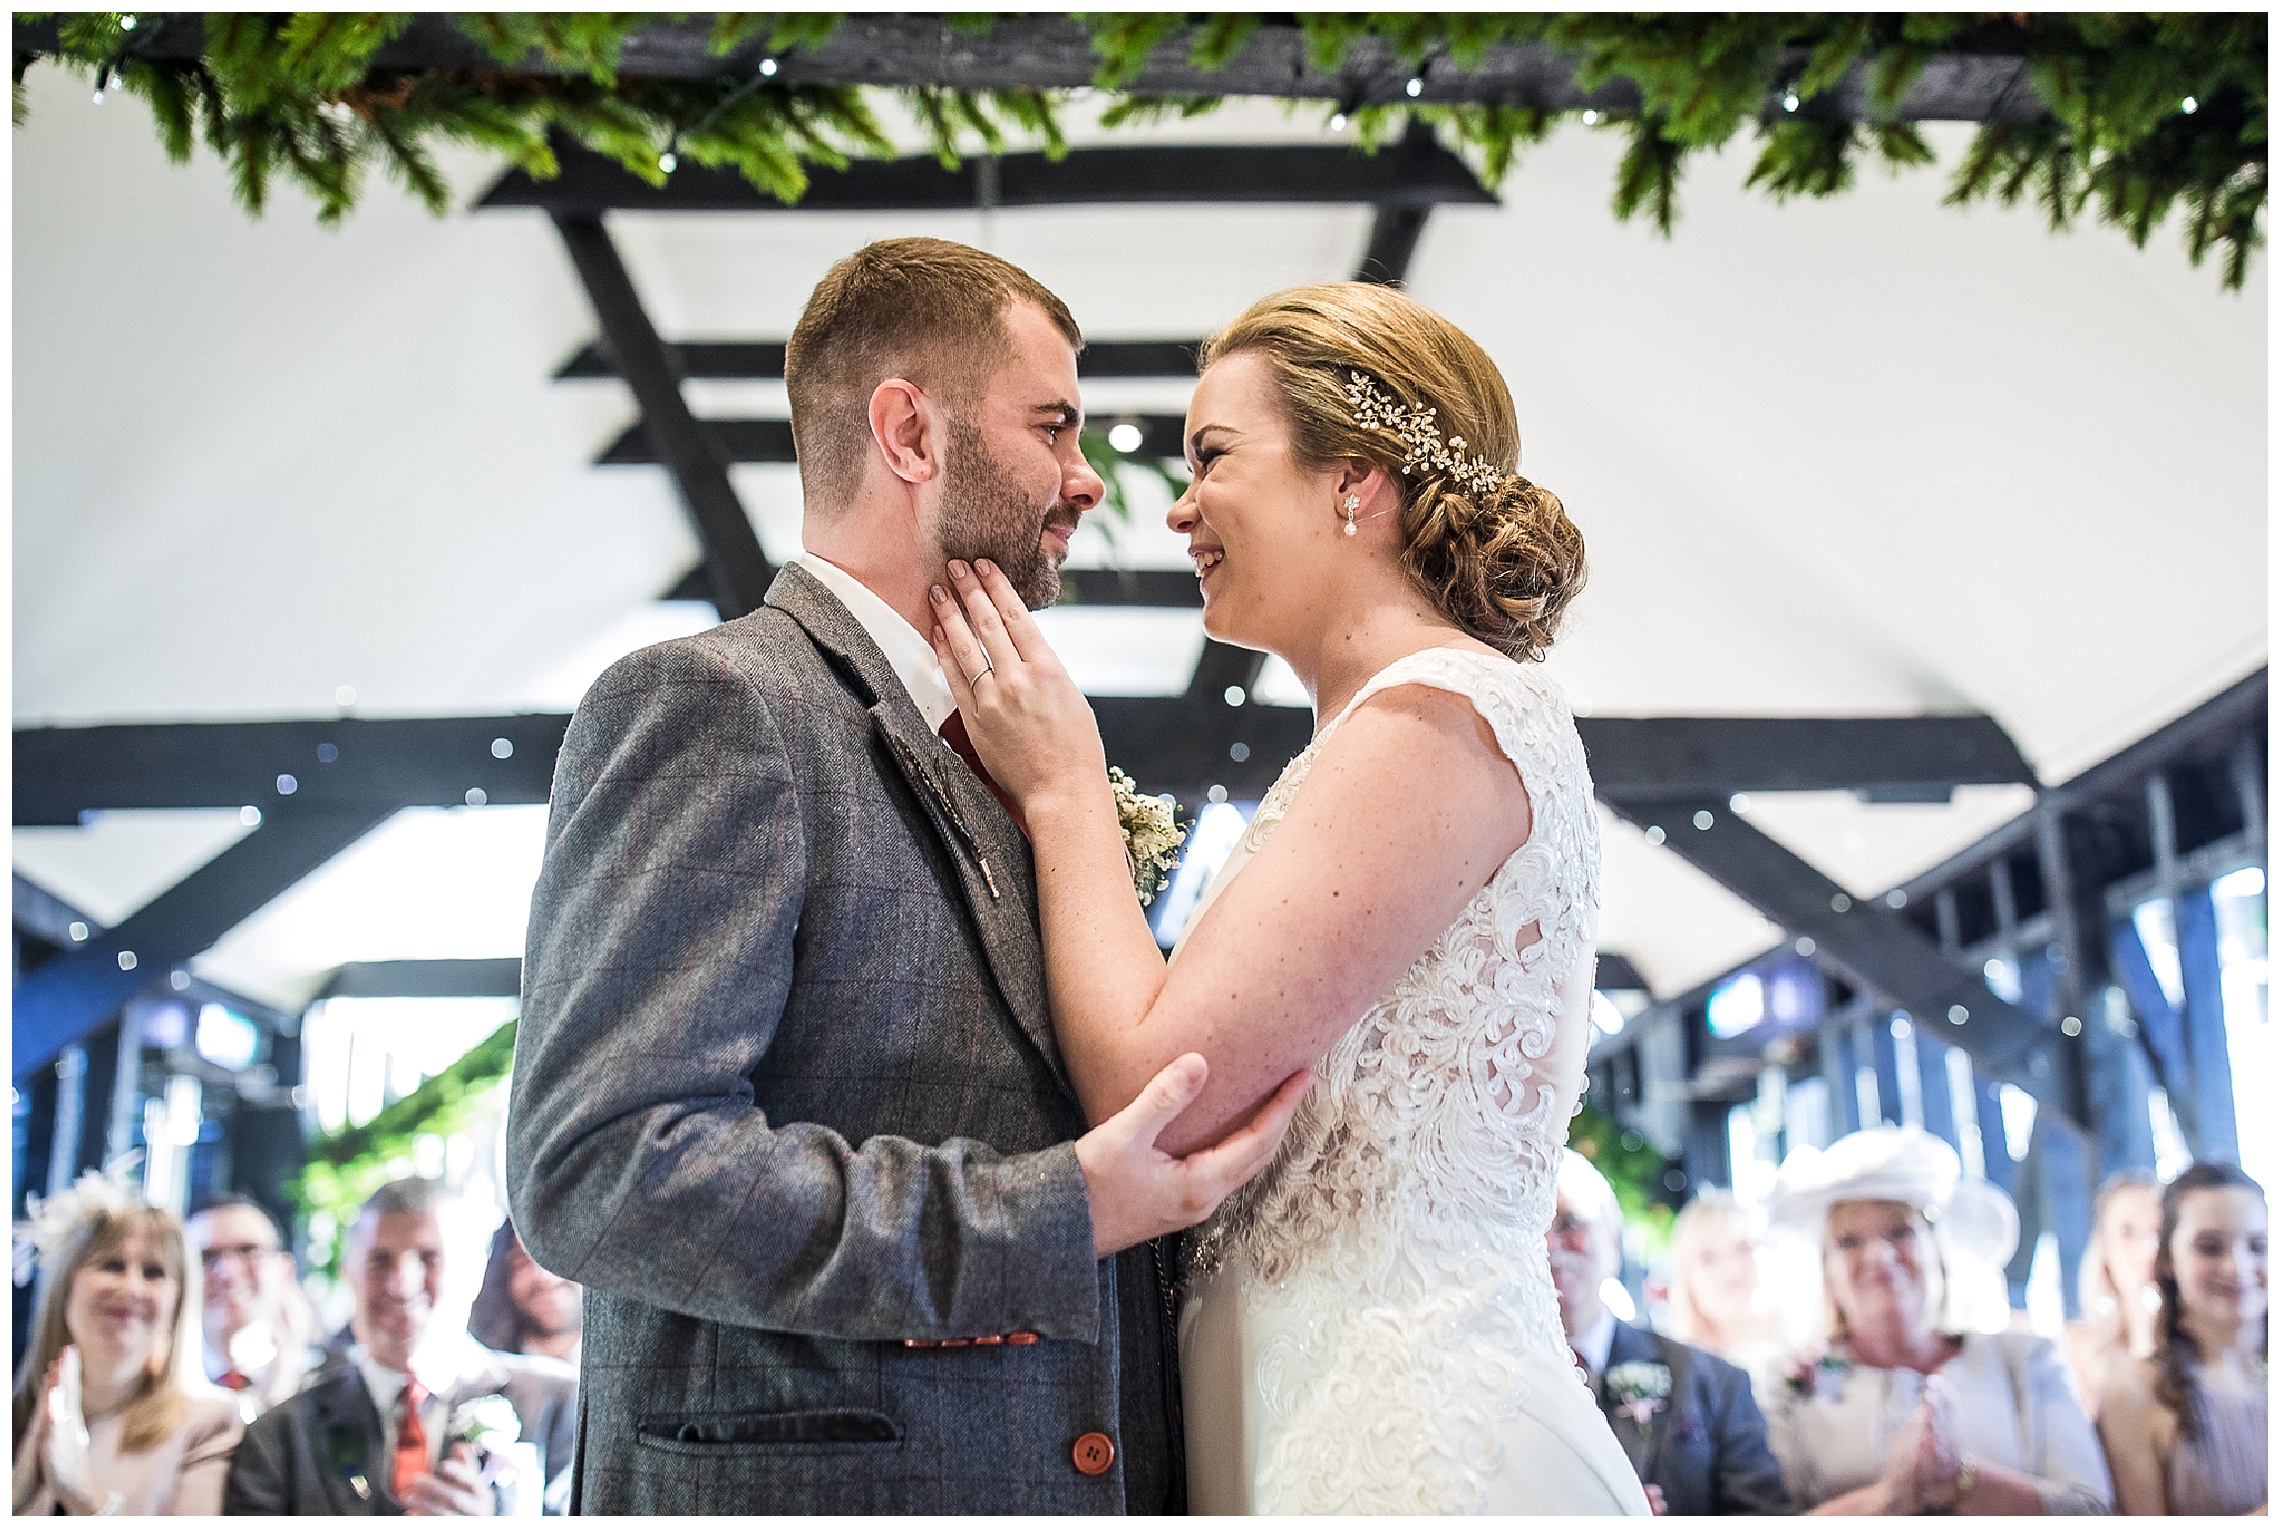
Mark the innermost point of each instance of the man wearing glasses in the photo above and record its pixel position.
(256, 1320)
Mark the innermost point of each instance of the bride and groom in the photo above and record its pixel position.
(850, 1080)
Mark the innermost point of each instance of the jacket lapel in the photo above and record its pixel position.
(992, 858)
(1638, 1438)
(349, 1444)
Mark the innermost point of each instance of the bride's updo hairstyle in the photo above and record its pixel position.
(1502, 562)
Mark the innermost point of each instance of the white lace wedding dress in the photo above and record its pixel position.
(1369, 1325)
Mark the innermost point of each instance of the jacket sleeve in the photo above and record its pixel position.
(2068, 1464)
(659, 960)
(1747, 1477)
(256, 1485)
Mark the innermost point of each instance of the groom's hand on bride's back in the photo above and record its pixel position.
(1138, 1192)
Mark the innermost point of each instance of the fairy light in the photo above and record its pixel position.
(2191, 106)
(127, 22)
(768, 68)
(1337, 120)
(1590, 118)
(1789, 101)
(668, 161)
(1415, 87)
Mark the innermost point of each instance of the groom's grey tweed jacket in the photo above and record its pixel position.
(786, 1094)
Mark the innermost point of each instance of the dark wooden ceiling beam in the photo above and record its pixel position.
(763, 360)
(769, 441)
(1980, 80)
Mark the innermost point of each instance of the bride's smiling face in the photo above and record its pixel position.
(1257, 522)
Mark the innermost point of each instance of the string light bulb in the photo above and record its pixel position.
(2191, 106)
(1337, 120)
(1590, 118)
(1789, 101)
(668, 161)
(767, 68)
(1415, 87)
(127, 22)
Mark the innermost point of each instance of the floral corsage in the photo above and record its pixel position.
(1640, 1389)
(1818, 1374)
(1152, 837)
(487, 1421)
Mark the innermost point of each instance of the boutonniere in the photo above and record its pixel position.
(1818, 1375)
(487, 1421)
(1640, 1389)
(1152, 835)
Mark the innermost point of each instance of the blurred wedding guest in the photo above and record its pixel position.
(111, 1416)
(257, 1321)
(2186, 1428)
(522, 1308)
(1685, 1417)
(385, 1433)
(1716, 1302)
(2119, 1301)
(1901, 1411)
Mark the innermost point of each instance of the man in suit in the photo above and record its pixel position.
(787, 1100)
(1685, 1417)
(370, 1436)
(255, 1317)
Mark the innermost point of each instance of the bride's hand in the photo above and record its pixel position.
(1027, 718)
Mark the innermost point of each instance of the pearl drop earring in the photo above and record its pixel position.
(1353, 502)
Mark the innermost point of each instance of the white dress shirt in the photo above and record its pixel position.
(907, 651)
(1597, 1341)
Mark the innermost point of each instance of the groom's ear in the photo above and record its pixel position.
(906, 430)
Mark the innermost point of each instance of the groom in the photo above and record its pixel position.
(786, 1093)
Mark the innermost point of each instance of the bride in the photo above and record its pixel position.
(1368, 1326)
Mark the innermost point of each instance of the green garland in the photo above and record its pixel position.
(298, 95)
(346, 1166)
(1633, 1168)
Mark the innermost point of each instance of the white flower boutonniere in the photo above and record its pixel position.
(1640, 1389)
(487, 1421)
(1152, 836)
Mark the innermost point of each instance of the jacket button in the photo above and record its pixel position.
(1093, 1454)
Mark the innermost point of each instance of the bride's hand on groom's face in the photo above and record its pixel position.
(1027, 718)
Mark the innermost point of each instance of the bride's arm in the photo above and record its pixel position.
(1407, 813)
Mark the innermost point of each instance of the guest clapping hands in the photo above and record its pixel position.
(105, 1421)
(1902, 1412)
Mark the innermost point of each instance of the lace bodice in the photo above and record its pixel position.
(1425, 1156)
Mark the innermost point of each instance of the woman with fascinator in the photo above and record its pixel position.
(1906, 1409)
(111, 1414)
(1370, 1324)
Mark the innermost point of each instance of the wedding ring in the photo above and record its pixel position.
(987, 668)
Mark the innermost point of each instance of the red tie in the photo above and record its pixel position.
(411, 1441)
(953, 732)
(233, 1380)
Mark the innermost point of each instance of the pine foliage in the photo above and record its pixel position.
(2106, 124)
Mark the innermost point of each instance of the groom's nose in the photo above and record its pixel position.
(1081, 487)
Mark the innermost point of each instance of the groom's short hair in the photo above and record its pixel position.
(928, 310)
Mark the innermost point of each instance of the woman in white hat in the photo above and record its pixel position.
(1904, 1411)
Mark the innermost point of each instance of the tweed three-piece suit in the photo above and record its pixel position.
(787, 1098)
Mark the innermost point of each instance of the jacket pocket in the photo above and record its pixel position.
(717, 1432)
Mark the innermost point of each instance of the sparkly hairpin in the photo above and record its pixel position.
(1420, 437)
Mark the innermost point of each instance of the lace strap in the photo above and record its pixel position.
(1497, 687)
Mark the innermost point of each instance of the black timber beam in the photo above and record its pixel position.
(1869, 942)
(71, 993)
(62, 772)
(736, 567)
(497, 977)
(347, 764)
(769, 441)
(1981, 79)
(1903, 758)
(763, 360)
(1147, 588)
(1408, 174)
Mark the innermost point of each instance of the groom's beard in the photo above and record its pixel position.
(986, 514)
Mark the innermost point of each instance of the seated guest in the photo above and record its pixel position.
(1716, 1302)
(256, 1325)
(2186, 1428)
(110, 1414)
(375, 1436)
(1900, 1412)
(1685, 1417)
(2119, 1302)
(523, 1308)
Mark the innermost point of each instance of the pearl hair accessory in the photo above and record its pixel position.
(1420, 437)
